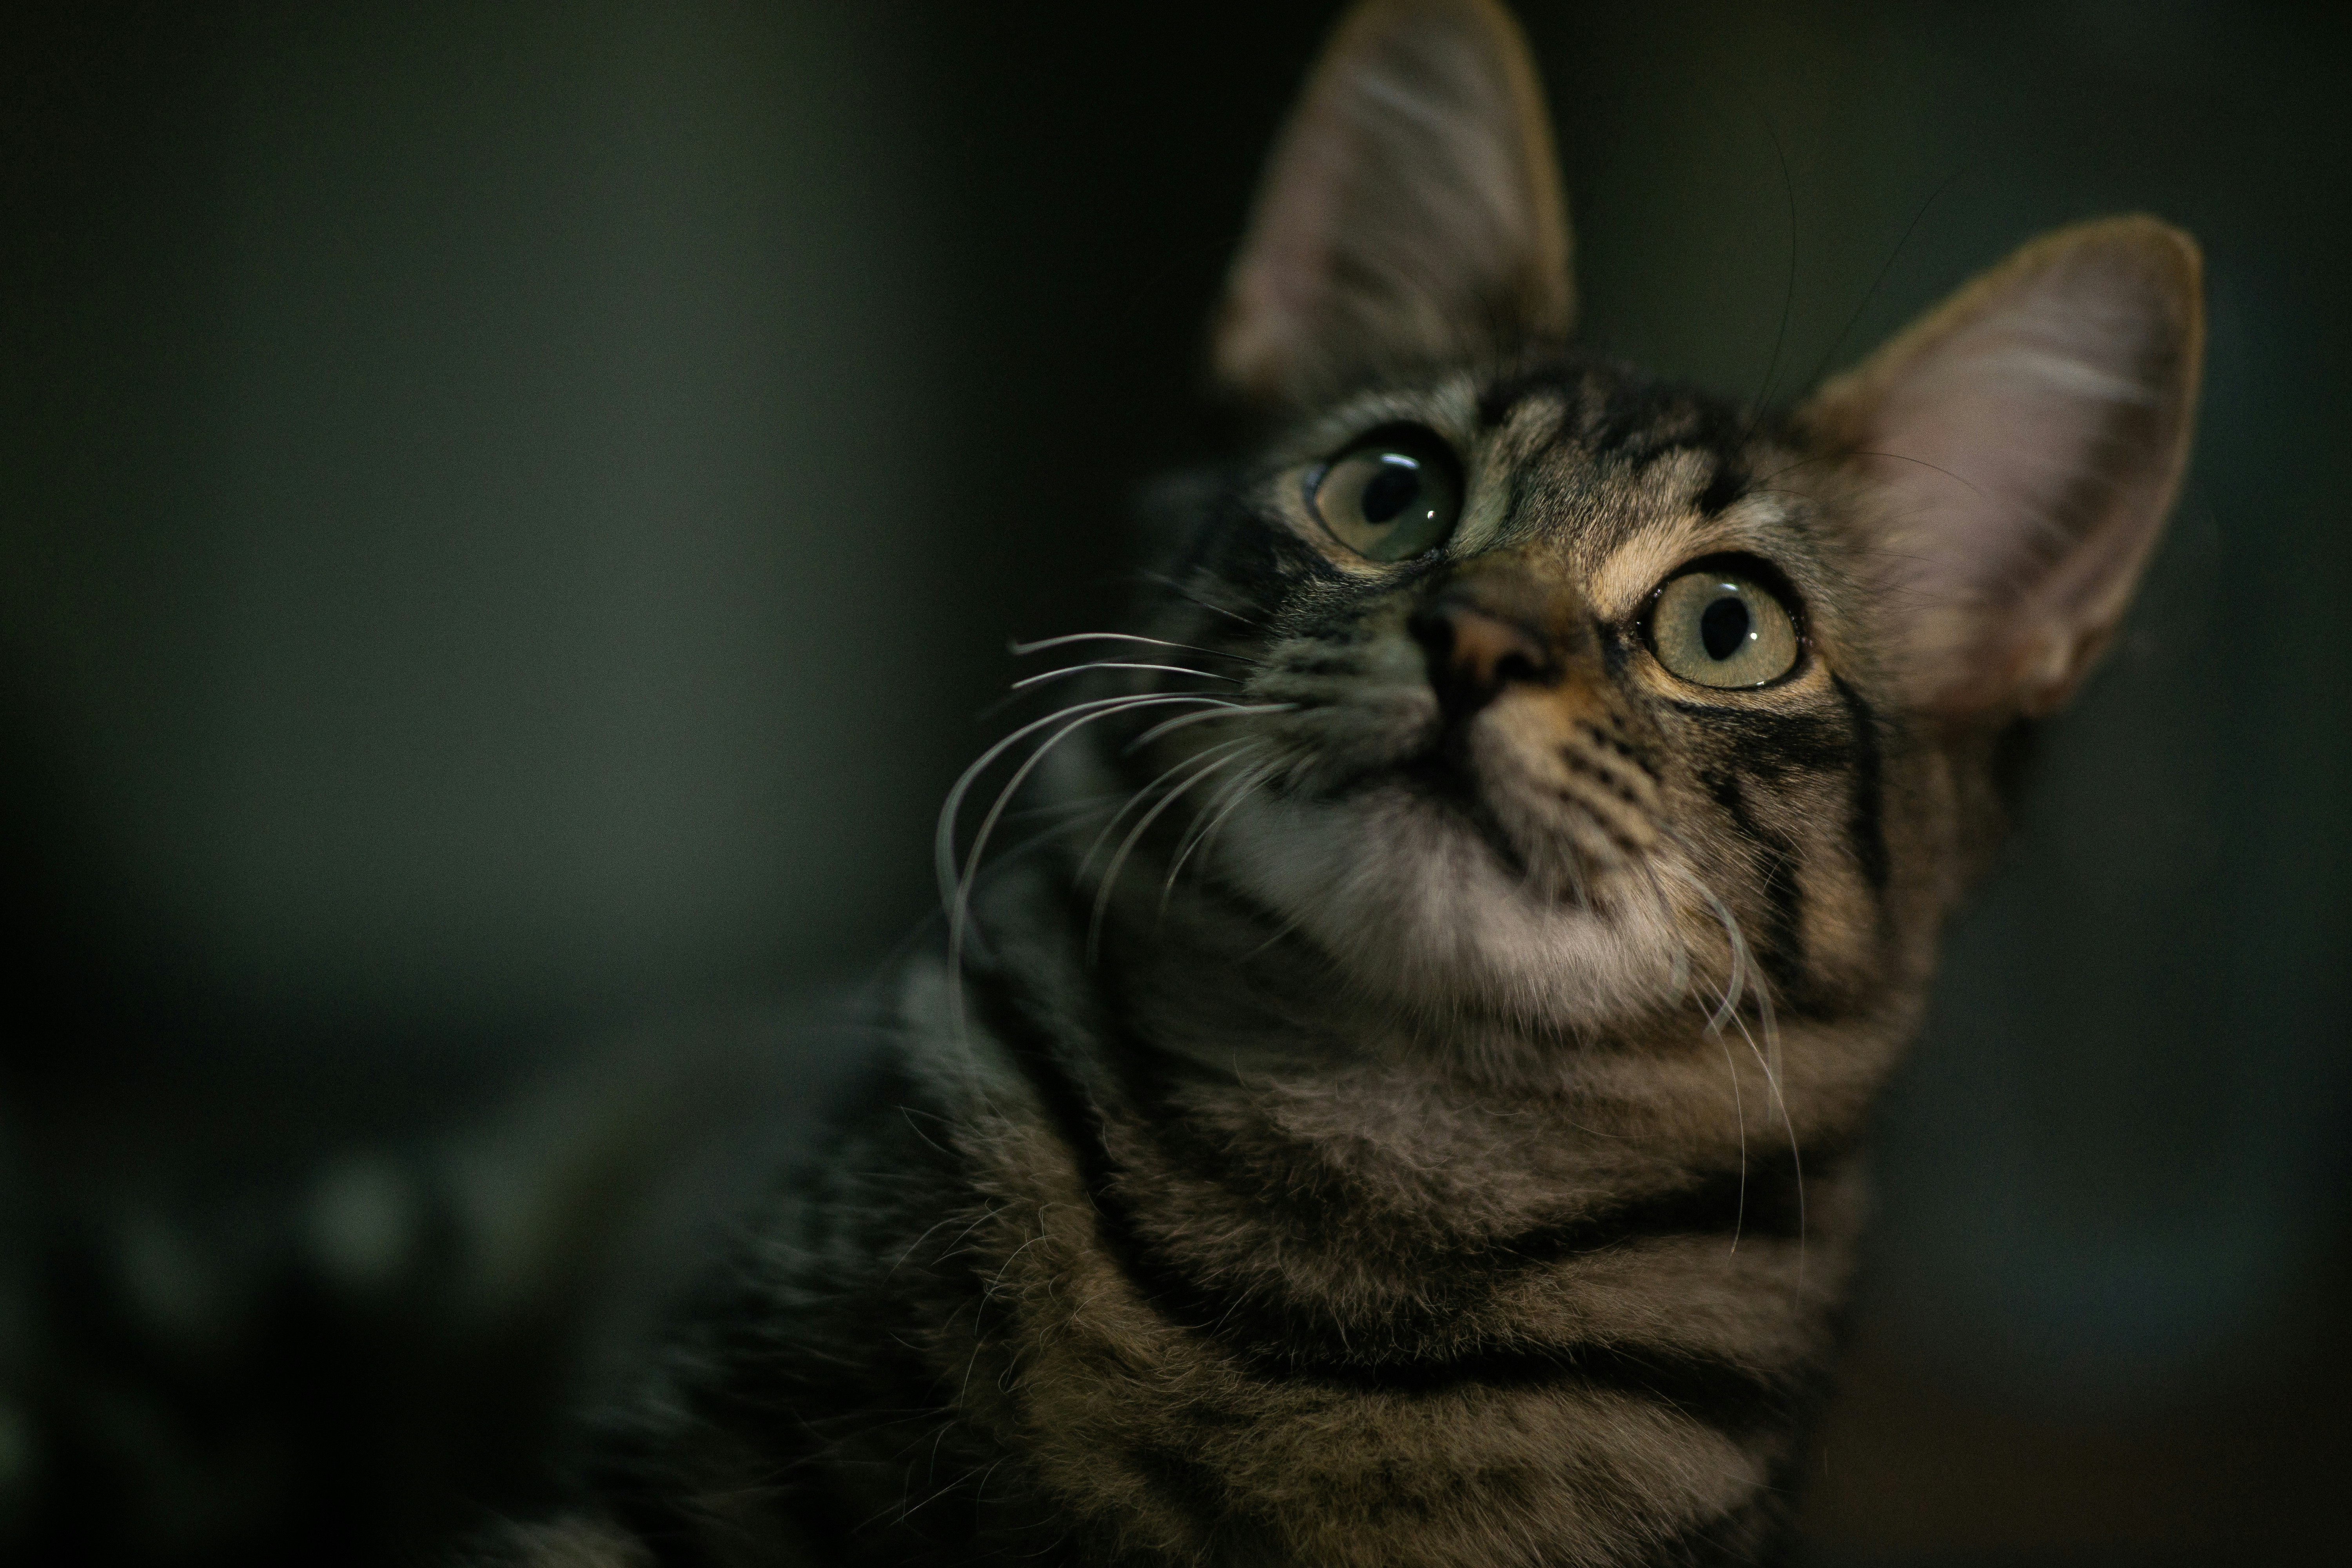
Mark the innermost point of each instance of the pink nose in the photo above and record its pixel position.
(1474, 651)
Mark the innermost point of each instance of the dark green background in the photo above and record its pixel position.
(507, 516)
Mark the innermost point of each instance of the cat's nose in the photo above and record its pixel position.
(1477, 642)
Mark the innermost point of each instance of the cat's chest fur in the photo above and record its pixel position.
(1373, 1311)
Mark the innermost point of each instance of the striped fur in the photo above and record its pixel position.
(1411, 1131)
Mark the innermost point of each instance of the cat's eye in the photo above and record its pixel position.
(1390, 497)
(1721, 626)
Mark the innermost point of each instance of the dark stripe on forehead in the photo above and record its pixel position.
(1642, 421)
(1612, 417)
(1560, 378)
(1614, 407)
(1728, 484)
(1641, 424)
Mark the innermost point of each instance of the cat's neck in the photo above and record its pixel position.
(1184, 1006)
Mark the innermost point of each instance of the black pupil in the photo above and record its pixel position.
(1723, 627)
(1392, 489)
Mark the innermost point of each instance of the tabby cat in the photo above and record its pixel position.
(1401, 1109)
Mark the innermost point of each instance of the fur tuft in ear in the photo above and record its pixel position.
(1411, 213)
(2019, 449)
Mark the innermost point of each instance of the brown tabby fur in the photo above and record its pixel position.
(1435, 1144)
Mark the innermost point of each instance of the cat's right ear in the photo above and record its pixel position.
(1411, 215)
(2018, 451)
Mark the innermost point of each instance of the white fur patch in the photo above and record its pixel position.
(1418, 909)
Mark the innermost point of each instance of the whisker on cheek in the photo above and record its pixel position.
(1138, 795)
(956, 890)
(1236, 794)
(1026, 682)
(1171, 725)
(1020, 649)
(1142, 825)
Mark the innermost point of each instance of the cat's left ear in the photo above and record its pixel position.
(2016, 453)
(1411, 215)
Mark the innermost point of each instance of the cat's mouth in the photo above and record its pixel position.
(1544, 778)
(1445, 777)
(1452, 864)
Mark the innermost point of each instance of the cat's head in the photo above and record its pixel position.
(1553, 676)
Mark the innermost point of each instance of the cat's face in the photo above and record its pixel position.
(1566, 685)
(1565, 697)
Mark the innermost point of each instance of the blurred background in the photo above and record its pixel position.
(508, 516)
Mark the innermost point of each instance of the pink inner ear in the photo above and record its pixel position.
(1274, 296)
(2025, 443)
(1411, 213)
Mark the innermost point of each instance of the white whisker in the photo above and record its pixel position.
(1022, 649)
(1072, 823)
(1136, 797)
(1193, 595)
(1028, 681)
(1142, 825)
(1235, 792)
(1768, 1060)
(1029, 765)
(1166, 725)
(1284, 929)
(943, 834)
(1740, 1115)
(956, 890)
(944, 837)
(1063, 808)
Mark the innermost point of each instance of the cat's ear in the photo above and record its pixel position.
(2019, 449)
(1411, 215)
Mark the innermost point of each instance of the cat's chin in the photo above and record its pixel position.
(1417, 903)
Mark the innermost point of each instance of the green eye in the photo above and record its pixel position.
(1390, 498)
(1718, 627)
